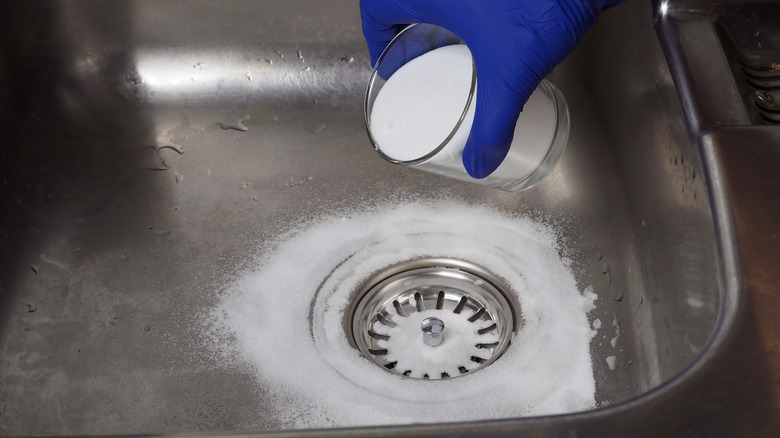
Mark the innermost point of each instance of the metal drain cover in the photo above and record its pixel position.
(433, 319)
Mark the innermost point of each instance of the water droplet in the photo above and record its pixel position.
(34, 269)
(316, 129)
(292, 182)
(164, 141)
(31, 308)
(236, 125)
(171, 145)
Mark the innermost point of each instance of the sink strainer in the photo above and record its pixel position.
(433, 319)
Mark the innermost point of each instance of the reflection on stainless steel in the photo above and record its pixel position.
(224, 74)
(151, 146)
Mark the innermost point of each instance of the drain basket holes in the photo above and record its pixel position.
(387, 318)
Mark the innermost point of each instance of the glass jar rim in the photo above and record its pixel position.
(367, 104)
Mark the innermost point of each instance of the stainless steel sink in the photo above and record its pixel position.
(151, 146)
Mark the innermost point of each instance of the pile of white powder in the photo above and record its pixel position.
(284, 319)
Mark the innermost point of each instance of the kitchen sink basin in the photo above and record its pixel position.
(152, 147)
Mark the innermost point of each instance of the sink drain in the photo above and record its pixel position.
(433, 319)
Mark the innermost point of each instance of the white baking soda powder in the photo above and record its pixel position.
(283, 319)
(421, 103)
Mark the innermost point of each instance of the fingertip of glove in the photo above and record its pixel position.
(481, 161)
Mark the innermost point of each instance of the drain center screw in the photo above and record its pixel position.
(433, 331)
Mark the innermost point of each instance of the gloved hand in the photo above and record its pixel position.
(515, 44)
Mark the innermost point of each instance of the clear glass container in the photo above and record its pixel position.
(540, 135)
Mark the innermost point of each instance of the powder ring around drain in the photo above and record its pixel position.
(479, 321)
(291, 320)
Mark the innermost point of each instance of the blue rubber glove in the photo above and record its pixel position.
(515, 44)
